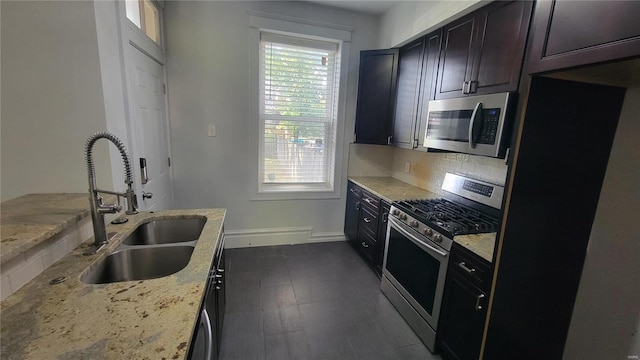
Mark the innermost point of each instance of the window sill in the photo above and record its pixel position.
(290, 193)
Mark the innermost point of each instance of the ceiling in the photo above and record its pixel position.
(376, 7)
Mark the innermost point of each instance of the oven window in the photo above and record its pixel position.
(415, 269)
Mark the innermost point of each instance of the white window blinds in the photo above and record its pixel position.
(298, 109)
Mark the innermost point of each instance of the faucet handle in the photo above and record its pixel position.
(109, 208)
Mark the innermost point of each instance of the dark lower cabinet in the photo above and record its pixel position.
(365, 224)
(376, 96)
(567, 34)
(352, 213)
(463, 312)
(207, 338)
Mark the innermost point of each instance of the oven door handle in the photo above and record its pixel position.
(398, 226)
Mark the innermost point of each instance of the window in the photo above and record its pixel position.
(299, 81)
(145, 15)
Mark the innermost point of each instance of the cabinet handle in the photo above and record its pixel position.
(352, 190)
(365, 245)
(357, 205)
(478, 299)
(464, 87)
(384, 217)
(473, 86)
(367, 220)
(218, 288)
(367, 200)
(389, 139)
(464, 267)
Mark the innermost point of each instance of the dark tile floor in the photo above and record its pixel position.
(310, 301)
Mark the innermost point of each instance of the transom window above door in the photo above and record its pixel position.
(146, 16)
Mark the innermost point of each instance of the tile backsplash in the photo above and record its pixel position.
(426, 170)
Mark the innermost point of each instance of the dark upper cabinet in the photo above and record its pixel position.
(456, 57)
(406, 111)
(376, 96)
(482, 53)
(574, 33)
(430, 61)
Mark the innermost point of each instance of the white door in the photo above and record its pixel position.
(150, 135)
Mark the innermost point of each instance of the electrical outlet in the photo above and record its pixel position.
(212, 130)
(407, 167)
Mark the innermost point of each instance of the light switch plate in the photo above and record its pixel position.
(212, 130)
(407, 167)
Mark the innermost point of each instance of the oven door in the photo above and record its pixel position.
(416, 267)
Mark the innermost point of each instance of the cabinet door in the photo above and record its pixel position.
(456, 57)
(573, 33)
(430, 61)
(382, 236)
(376, 96)
(410, 70)
(221, 296)
(352, 214)
(500, 53)
(461, 319)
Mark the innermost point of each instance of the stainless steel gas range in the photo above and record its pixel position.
(419, 237)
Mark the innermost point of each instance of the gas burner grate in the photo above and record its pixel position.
(450, 217)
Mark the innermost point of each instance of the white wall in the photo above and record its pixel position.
(409, 19)
(208, 65)
(606, 317)
(51, 97)
(112, 74)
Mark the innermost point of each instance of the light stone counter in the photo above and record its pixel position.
(480, 244)
(391, 189)
(150, 319)
(32, 219)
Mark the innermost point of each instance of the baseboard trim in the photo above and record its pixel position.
(277, 236)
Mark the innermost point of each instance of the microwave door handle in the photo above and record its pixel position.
(475, 125)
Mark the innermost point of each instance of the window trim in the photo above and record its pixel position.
(273, 23)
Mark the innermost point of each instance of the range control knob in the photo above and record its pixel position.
(413, 223)
(395, 212)
(403, 216)
(438, 238)
(428, 232)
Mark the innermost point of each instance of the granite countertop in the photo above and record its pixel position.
(150, 319)
(391, 189)
(480, 244)
(32, 219)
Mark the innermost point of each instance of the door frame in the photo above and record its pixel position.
(132, 36)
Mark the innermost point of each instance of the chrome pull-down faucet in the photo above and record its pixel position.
(98, 207)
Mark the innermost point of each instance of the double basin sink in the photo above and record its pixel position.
(154, 249)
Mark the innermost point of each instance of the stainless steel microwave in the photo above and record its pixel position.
(478, 125)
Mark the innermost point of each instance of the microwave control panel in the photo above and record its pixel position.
(491, 118)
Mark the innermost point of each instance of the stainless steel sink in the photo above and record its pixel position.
(166, 232)
(140, 264)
